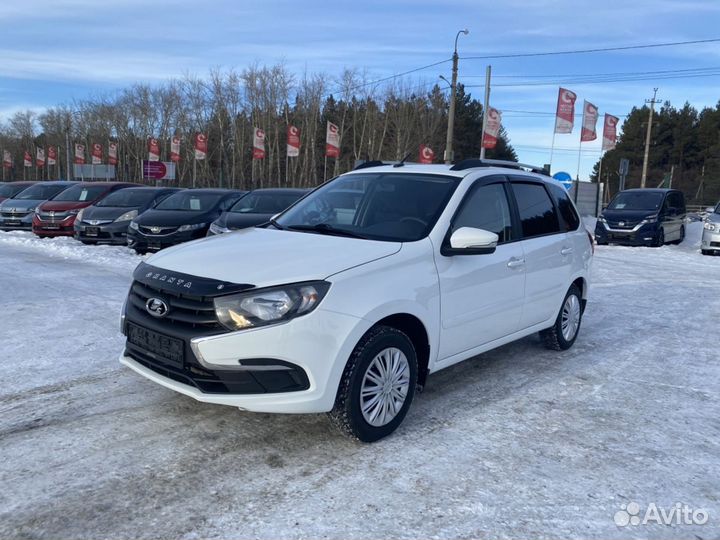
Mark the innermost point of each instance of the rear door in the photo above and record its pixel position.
(482, 294)
(548, 251)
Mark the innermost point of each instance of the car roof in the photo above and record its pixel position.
(448, 170)
(152, 188)
(218, 191)
(108, 184)
(651, 190)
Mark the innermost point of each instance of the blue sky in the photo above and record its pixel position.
(55, 50)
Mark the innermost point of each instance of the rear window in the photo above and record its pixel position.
(570, 218)
(81, 193)
(40, 192)
(536, 209)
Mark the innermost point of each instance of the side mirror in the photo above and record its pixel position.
(471, 241)
(710, 209)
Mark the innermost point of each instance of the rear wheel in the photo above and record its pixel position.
(377, 386)
(564, 332)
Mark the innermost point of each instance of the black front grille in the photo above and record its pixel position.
(185, 311)
(159, 231)
(714, 244)
(14, 215)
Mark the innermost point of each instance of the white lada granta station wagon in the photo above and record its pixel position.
(348, 300)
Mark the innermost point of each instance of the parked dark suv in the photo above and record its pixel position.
(255, 208)
(106, 221)
(643, 217)
(183, 216)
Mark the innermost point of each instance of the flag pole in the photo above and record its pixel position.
(552, 146)
(325, 170)
(577, 177)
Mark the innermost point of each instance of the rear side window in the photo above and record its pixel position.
(571, 221)
(536, 209)
(486, 208)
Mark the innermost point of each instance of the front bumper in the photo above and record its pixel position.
(16, 222)
(108, 233)
(146, 242)
(640, 235)
(60, 227)
(317, 345)
(710, 240)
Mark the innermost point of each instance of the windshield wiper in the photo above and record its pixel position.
(275, 224)
(325, 228)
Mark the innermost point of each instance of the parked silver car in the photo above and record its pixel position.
(711, 232)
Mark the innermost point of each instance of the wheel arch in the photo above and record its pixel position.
(414, 328)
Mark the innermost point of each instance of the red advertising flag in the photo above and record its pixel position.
(609, 132)
(590, 118)
(7, 159)
(27, 159)
(426, 154)
(40, 157)
(175, 149)
(112, 153)
(258, 144)
(79, 154)
(332, 141)
(97, 154)
(293, 141)
(52, 155)
(201, 146)
(565, 114)
(153, 149)
(492, 131)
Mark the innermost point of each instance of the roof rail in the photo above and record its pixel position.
(472, 163)
(378, 163)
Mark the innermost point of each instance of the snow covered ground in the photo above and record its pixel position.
(519, 442)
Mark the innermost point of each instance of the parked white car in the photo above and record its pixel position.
(710, 244)
(311, 313)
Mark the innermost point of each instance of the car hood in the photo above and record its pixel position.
(628, 215)
(174, 218)
(106, 212)
(236, 220)
(20, 205)
(63, 206)
(267, 257)
(715, 218)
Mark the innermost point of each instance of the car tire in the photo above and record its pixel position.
(660, 240)
(706, 252)
(600, 242)
(381, 347)
(561, 335)
(682, 235)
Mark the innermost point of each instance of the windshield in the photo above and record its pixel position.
(394, 207)
(127, 198)
(265, 203)
(190, 202)
(9, 190)
(40, 192)
(717, 209)
(637, 200)
(81, 193)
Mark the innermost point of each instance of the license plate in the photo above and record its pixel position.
(12, 223)
(155, 246)
(51, 227)
(92, 231)
(164, 348)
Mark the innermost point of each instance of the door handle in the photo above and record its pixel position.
(516, 263)
(566, 251)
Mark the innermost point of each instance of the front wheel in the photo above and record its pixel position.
(377, 386)
(682, 235)
(564, 332)
(660, 240)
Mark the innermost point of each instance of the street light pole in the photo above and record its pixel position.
(451, 113)
(67, 151)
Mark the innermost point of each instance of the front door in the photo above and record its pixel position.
(482, 295)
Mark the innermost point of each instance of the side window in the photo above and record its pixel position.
(536, 209)
(486, 208)
(571, 220)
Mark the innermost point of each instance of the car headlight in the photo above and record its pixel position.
(710, 226)
(217, 229)
(78, 214)
(134, 226)
(194, 227)
(602, 219)
(269, 306)
(650, 219)
(132, 214)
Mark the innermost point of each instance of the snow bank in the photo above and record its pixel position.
(117, 257)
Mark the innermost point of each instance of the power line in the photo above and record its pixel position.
(597, 50)
(613, 74)
(599, 80)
